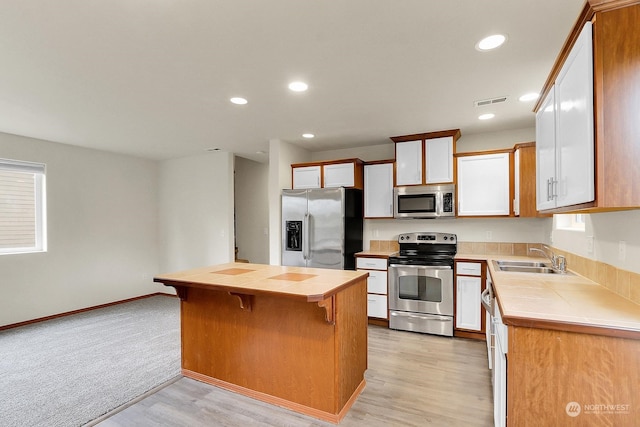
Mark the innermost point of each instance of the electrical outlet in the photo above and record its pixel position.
(589, 244)
(622, 250)
(489, 235)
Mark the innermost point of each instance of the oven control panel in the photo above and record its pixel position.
(432, 238)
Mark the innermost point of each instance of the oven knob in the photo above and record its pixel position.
(445, 237)
(401, 237)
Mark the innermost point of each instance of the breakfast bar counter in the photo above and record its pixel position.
(292, 336)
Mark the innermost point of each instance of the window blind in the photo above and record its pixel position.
(21, 206)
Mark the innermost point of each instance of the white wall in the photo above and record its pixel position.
(608, 229)
(102, 232)
(368, 154)
(281, 156)
(196, 211)
(514, 230)
(468, 229)
(495, 140)
(252, 210)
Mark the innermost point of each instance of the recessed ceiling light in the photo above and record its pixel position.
(298, 86)
(486, 116)
(308, 135)
(238, 100)
(491, 42)
(213, 149)
(529, 97)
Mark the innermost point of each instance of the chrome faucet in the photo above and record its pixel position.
(558, 262)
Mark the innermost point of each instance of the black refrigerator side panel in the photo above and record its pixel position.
(353, 223)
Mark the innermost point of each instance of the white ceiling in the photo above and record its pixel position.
(153, 78)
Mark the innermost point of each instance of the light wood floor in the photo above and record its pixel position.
(412, 380)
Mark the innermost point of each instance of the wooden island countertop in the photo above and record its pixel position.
(309, 284)
(291, 336)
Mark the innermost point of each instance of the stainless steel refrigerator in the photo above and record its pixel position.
(321, 227)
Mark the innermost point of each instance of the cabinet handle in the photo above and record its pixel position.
(548, 189)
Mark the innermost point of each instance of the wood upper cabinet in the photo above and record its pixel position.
(484, 183)
(336, 173)
(524, 180)
(378, 189)
(616, 104)
(425, 158)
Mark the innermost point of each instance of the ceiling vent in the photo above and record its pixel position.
(490, 101)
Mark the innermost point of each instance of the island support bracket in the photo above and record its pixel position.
(181, 291)
(246, 301)
(330, 309)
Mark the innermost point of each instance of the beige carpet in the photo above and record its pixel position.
(71, 370)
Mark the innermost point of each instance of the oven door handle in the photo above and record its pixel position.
(422, 267)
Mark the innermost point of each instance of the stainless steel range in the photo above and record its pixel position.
(421, 283)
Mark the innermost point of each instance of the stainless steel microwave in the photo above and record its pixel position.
(424, 201)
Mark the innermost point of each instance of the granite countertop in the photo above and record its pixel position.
(568, 302)
(310, 284)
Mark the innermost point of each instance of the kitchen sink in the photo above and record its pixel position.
(521, 269)
(522, 264)
(525, 267)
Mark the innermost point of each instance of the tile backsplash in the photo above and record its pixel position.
(622, 282)
(384, 245)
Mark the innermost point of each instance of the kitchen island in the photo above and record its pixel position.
(291, 336)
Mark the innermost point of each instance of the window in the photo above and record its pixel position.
(22, 207)
(570, 222)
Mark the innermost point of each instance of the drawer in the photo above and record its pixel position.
(377, 282)
(377, 306)
(469, 268)
(371, 263)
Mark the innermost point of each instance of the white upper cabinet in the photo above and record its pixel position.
(439, 160)
(546, 152)
(378, 190)
(565, 132)
(339, 175)
(409, 163)
(425, 158)
(483, 185)
(306, 177)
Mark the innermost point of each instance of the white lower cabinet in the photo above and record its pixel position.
(468, 303)
(499, 370)
(377, 287)
(377, 306)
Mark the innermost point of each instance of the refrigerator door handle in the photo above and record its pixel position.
(305, 236)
